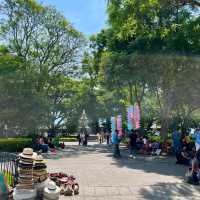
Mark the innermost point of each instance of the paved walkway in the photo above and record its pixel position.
(103, 178)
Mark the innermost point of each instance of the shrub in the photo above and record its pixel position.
(68, 139)
(14, 144)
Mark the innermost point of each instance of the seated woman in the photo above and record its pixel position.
(183, 157)
(145, 147)
(43, 146)
(155, 148)
(186, 142)
(50, 144)
(192, 175)
(139, 143)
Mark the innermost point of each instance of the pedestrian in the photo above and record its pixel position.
(115, 142)
(132, 142)
(107, 137)
(98, 138)
(197, 139)
(86, 139)
(79, 139)
(101, 137)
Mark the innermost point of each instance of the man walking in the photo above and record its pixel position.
(115, 142)
(132, 142)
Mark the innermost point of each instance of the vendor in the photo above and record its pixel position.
(183, 157)
(50, 144)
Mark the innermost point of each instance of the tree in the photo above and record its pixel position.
(49, 48)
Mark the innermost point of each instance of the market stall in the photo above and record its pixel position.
(35, 183)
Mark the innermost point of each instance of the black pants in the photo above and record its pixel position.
(108, 139)
(116, 150)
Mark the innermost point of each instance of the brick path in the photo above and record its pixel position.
(103, 178)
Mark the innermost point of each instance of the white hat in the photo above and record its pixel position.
(51, 188)
(27, 153)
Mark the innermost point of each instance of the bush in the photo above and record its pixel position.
(68, 139)
(14, 144)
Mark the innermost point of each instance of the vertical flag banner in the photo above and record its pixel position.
(113, 124)
(130, 117)
(119, 124)
(136, 116)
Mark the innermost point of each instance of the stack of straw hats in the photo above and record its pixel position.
(25, 180)
(25, 187)
(39, 170)
(51, 191)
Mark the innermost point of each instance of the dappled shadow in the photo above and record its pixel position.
(169, 191)
(76, 151)
(159, 165)
(152, 164)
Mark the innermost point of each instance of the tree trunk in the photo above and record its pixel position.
(130, 94)
(165, 114)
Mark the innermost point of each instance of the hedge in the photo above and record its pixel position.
(14, 144)
(68, 139)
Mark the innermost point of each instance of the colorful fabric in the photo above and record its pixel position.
(3, 186)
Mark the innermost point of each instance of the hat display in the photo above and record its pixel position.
(39, 169)
(33, 181)
(25, 170)
(51, 191)
(26, 154)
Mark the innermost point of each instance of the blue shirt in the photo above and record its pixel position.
(197, 138)
(115, 139)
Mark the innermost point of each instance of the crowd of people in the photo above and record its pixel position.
(137, 143)
(101, 137)
(188, 153)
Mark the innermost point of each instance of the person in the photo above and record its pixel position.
(50, 144)
(86, 139)
(193, 172)
(155, 147)
(115, 142)
(62, 145)
(183, 157)
(107, 138)
(101, 137)
(186, 142)
(98, 138)
(43, 146)
(79, 139)
(139, 143)
(197, 139)
(132, 142)
(176, 138)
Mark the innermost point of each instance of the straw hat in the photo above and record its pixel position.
(34, 155)
(39, 159)
(27, 153)
(51, 191)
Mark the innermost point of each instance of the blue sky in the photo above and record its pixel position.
(88, 16)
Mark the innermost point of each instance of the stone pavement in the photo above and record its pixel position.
(102, 177)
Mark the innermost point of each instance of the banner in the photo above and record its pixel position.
(130, 118)
(136, 116)
(119, 124)
(113, 124)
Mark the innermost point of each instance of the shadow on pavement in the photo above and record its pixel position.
(170, 191)
(158, 165)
